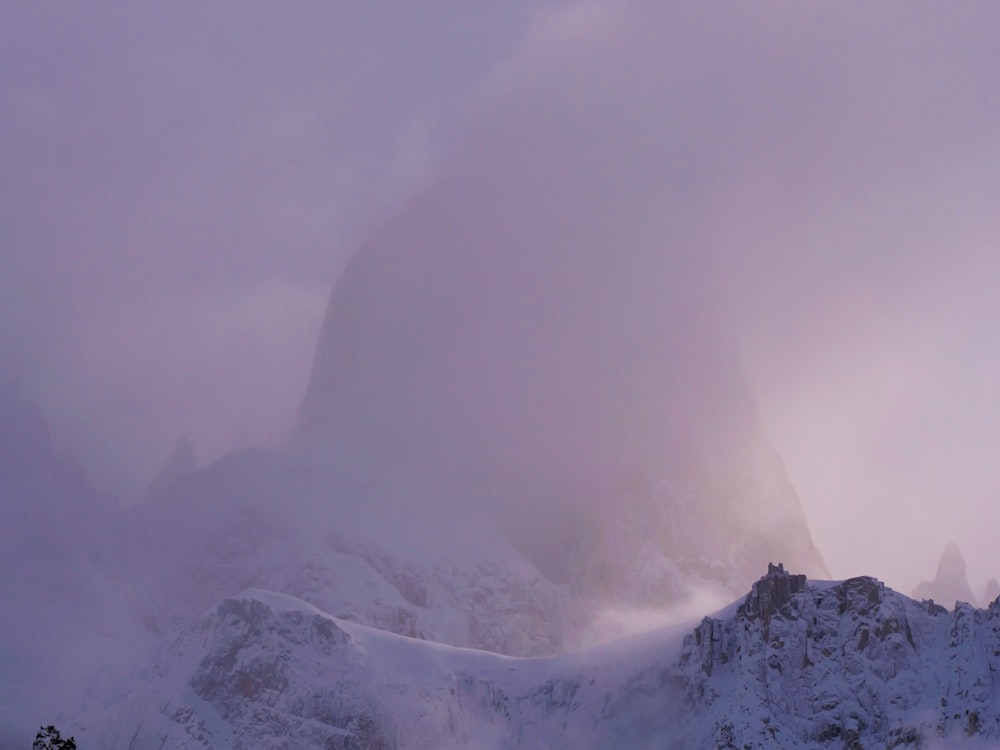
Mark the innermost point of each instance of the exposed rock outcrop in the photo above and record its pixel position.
(772, 592)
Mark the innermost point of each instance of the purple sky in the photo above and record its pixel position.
(182, 183)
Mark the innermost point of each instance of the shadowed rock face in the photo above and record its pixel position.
(772, 592)
(514, 345)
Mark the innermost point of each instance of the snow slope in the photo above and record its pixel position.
(265, 670)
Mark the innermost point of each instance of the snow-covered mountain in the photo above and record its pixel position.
(140, 637)
(368, 553)
(795, 664)
(88, 586)
(850, 664)
(266, 671)
(105, 629)
(374, 577)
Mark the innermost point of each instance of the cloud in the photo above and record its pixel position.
(828, 172)
(822, 176)
(166, 169)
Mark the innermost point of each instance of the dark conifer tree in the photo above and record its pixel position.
(48, 738)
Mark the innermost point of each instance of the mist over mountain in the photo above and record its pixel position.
(72, 615)
(551, 325)
(618, 272)
(493, 341)
(950, 583)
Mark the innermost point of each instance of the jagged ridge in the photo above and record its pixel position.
(852, 664)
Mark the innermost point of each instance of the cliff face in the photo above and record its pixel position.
(515, 346)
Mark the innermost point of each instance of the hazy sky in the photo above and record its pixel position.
(182, 183)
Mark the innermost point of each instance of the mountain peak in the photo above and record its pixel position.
(952, 563)
(950, 584)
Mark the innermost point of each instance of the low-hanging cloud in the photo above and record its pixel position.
(822, 177)
(180, 185)
(813, 183)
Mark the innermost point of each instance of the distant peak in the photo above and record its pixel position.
(950, 583)
(952, 562)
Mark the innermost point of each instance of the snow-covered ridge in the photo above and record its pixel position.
(848, 664)
(264, 670)
(853, 664)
